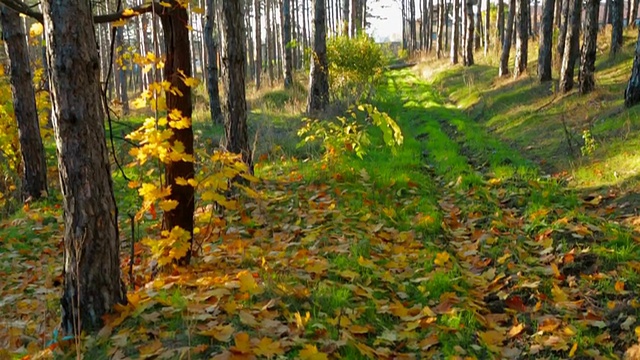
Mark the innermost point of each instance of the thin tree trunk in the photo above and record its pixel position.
(441, 19)
(617, 10)
(564, 25)
(632, 92)
(522, 39)
(122, 73)
(535, 18)
(212, 64)
(478, 23)
(233, 70)
(269, 39)
(412, 23)
(257, 9)
(571, 48)
(34, 162)
(607, 12)
(455, 37)
(500, 21)
(469, 35)
(446, 24)
(319, 77)
(589, 47)
(506, 43)
(487, 26)
(286, 42)
(430, 26)
(546, 36)
(558, 13)
(633, 13)
(92, 284)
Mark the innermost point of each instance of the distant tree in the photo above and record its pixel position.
(257, 8)
(632, 92)
(617, 14)
(212, 63)
(522, 40)
(564, 24)
(318, 98)
(440, 29)
(500, 22)
(34, 163)
(345, 17)
(506, 43)
(572, 46)
(487, 25)
(455, 36)
(286, 43)
(546, 34)
(589, 47)
(469, 34)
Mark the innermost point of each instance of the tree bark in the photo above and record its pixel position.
(617, 10)
(92, 284)
(286, 42)
(257, 9)
(632, 92)
(412, 24)
(506, 43)
(455, 36)
(212, 64)
(233, 70)
(439, 49)
(522, 40)
(478, 23)
(319, 74)
(589, 47)
(34, 162)
(487, 26)
(469, 36)
(122, 73)
(633, 13)
(430, 26)
(345, 17)
(546, 35)
(571, 47)
(564, 25)
(269, 38)
(500, 21)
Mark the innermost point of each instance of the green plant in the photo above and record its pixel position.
(590, 144)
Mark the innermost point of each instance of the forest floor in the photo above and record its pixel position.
(461, 244)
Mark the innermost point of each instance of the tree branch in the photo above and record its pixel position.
(22, 8)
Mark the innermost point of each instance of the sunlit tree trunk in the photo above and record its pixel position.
(455, 36)
(632, 92)
(487, 27)
(546, 36)
(469, 35)
(258, 9)
(589, 46)
(441, 19)
(269, 39)
(319, 77)
(571, 48)
(522, 39)
(92, 284)
(506, 43)
(564, 25)
(33, 160)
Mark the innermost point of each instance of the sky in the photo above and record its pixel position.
(386, 20)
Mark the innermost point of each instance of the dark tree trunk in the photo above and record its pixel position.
(441, 18)
(506, 43)
(522, 40)
(122, 73)
(500, 21)
(632, 92)
(546, 36)
(257, 9)
(469, 35)
(607, 12)
(564, 25)
(616, 25)
(34, 163)
(487, 27)
(319, 77)
(92, 283)
(478, 23)
(212, 64)
(178, 55)
(535, 18)
(345, 17)
(233, 70)
(269, 38)
(446, 24)
(412, 23)
(633, 13)
(589, 47)
(354, 18)
(430, 26)
(286, 43)
(455, 36)
(571, 48)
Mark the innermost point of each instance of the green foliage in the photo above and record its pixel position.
(590, 144)
(355, 66)
(349, 133)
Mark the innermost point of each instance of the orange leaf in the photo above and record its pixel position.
(310, 352)
(268, 348)
(243, 346)
(619, 286)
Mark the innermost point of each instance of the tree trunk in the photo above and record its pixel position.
(487, 27)
(546, 36)
(468, 36)
(500, 21)
(257, 9)
(522, 39)
(345, 17)
(455, 37)
(412, 24)
(446, 23)
(212, 66)
(571, 47)
(506, 43)
(178, 60)
(617, 10)
(558, 13)
(607, 12)
(589, 48)
(430, 26)
(441, 18)
(34, 163)
(286, 43)
(319, 77)
(478, 23)
(122, 73)
(354, 18)
(633, 13)
(92, 284)
(269, 38)
(535, 18)
(632, 92)
(564, 25)
(233, 70)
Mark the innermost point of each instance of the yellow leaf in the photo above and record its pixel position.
(310, 352)
(301, 322)
(358, 329)
(168, 205)
(243, 345)
(268, 348)
(558, 294)
(151, 348)
(619, 286)
(36, 29)
(637, 331)
(248, 283)
(441, 258)
(198, 10)
(248, 319)
(221, 333)
(165, 4)
(574, 348)
(118, 23)
(366, 263)
(129, 12)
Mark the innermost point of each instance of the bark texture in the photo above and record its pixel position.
(546, 36)
(632, 92)
(286, 40)
(178, 55)
(233, 72)
(564, 25)
(469, 34)
(319, 74)
(92, 284)
(455, 36)
(500, 21)
(589, 47)
(34, 163)
(617, 10)
(212, 66)
(571, 47)
(440, 30)
(258, 9)
(506, 43)
(522, 39)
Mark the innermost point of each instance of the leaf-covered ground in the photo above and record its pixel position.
(455, 247)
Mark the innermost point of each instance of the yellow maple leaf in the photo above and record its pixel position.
(301, 322)
(310, 352)
(243, 344)
(268, 348)
(129, 12)
(221, 333)
(441, 258)
(619, 286)
(248, 283)
(167, 205)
